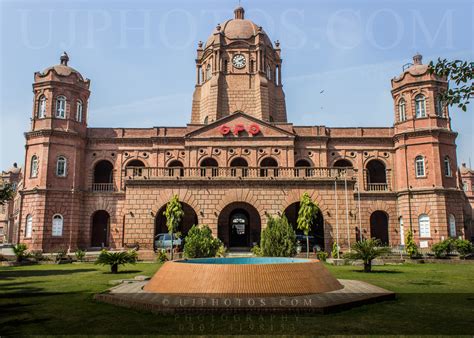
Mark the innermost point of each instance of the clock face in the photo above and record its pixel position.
(238, 61)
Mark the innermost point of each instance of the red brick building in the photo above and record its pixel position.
(238, 160)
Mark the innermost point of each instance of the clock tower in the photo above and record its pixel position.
(238, 70)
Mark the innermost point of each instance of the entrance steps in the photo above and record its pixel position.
(239, 252)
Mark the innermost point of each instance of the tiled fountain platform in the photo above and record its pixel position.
(130, 294)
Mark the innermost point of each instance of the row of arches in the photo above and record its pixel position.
(420, 107)
(60, 108)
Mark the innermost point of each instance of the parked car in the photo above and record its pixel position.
(163, 241)
(301, 241)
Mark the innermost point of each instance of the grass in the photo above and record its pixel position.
(57, 299)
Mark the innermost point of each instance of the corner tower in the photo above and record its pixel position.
(238, 69)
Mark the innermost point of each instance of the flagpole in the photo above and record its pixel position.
(337, 217)
(347, 213)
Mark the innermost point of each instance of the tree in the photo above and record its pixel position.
(201, 243)
(462, 74)
(411, 248)
(173, 213)
(6, 193)
(114, 259)
(367, 250)
(20, 251)
(278, 238)
(307, 214)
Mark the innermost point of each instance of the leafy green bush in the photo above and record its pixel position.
(80, 255)
(463, 247)
(114, 259)
(335, 250)
(257, 251)
(162, 256)
(200, 243)
(443, 248)
(367, 250)
(278, 238)
(38, 256)
(60, 255)
(411, 247)
(20, 251)
(322, 256)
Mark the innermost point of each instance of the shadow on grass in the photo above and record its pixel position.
(124, 272)
(426, 282)
(10, 274)
(379, 271)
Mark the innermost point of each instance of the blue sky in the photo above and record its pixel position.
(140, 56)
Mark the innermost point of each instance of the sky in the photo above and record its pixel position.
(140, 57)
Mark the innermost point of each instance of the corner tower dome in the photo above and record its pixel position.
(238, 28)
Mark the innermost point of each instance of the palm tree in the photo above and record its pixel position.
(114, 259)
(367, 250)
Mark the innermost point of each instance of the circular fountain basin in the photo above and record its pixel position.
(256, 276)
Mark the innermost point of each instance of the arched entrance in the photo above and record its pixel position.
(379, 226)
(317, 229)
(239, 225)
(189, 219)
(100, 229)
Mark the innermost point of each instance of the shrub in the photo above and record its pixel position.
(335, 250)
(463, 247)
(20, 252)
(201, 243)
(278, 238)
(114, 259)
(322, 256)
(2, 258)
(411, 248)
(367, 250)
(60, 255)
(80, 255)
(257, 251)
(38, 256)
(443, 248)
(162, 256)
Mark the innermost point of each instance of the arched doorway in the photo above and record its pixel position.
(189, 219)
(239, 225)
(379, 226)
(100, 229)
(103, 176)
(177, 168)
(209, 167)
(302, 163)
(317, 229)
(239, 167)
(135, 168)
(268, 162)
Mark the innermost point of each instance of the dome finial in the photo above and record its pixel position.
(417, 59)
(64, 59)
(239, 12)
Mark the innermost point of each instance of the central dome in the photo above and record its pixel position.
(238, 28)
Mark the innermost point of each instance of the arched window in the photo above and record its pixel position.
(135, 168)
(302, 163)
(103, 176)
(79, 111)
(57, 225)
(206, 120)
(42, 107)
(61, 166)
(34, 166)
(61, 107)
(28, 226)
(420, 106)
(376, 174)
(452, 226)
(239, 167)
(209, 167)
(176, 168)
(342, 163)
(447, 167)
(439, 106)
(424, 226)
(402, 115)
(269, 72)
(265, 164)
(420, 166)
(208, 71)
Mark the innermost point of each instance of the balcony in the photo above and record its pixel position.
(103, 187)
(238, 173)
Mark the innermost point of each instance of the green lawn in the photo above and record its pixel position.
(57, 299)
